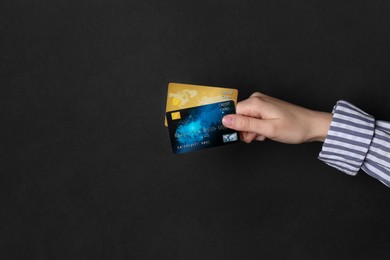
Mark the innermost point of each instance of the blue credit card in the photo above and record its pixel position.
(200, 127)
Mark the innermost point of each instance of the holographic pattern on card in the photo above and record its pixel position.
(200, 127)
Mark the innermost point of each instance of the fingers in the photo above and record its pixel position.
(252, 106)
(248, 119)
(260, 138)
(248, 124)
(248, 137)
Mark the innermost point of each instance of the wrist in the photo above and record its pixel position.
(319, 125)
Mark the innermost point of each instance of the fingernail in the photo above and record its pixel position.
(227, 120)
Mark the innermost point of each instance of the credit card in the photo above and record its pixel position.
(200, 127)
(182, 96)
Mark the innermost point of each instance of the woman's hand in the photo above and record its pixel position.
(261, 116)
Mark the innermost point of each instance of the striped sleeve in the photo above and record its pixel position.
(356, 141)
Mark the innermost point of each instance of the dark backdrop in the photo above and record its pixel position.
(86, 166)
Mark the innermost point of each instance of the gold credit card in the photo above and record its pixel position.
(181, 96)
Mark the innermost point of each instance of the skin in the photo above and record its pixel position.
(261, 116)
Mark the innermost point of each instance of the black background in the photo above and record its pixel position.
(87, 170)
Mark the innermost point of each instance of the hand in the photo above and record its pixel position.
(261, 116)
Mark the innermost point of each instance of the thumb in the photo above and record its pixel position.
(248, 124)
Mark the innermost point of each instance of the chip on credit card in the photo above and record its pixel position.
(182, 96)
(200, 127)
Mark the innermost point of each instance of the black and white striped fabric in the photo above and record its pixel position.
(356, 141)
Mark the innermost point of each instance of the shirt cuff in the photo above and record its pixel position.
(348, 139)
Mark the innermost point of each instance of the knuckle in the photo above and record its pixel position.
(256, 94)
(255, 101)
